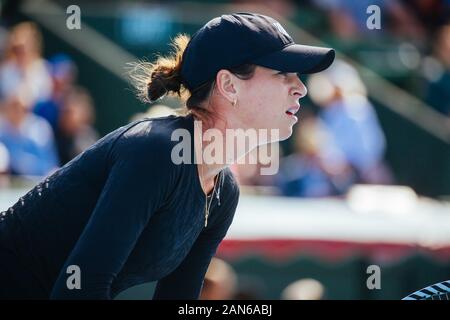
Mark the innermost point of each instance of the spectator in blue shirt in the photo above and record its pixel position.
(28, 138)
(351, 120)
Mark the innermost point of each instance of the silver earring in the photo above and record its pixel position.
(234, 103)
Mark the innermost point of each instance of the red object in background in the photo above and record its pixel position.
(286, 249)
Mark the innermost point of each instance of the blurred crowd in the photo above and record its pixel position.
(415, 34)
(46, 118)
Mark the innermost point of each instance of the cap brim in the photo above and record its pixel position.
(298, 58)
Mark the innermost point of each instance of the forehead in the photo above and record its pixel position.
(263, 73)
(266, 72)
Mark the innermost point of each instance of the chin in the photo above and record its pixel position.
(284, 133)
(286, 136)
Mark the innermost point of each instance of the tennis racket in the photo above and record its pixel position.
(437, 291)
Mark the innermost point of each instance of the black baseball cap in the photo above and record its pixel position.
(235, 39)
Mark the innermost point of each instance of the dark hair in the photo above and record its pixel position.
(154, 80)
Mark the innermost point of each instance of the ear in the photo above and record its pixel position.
(227, 85)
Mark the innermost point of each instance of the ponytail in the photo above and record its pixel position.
(154, 80)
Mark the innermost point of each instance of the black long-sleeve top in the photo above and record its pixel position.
(125, 214)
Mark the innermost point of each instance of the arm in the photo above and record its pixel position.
(138, 182)
(186, 281)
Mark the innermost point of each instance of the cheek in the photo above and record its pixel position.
(265, 99)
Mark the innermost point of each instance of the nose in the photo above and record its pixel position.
(298, 87)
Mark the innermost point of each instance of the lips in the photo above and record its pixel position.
(292, 110)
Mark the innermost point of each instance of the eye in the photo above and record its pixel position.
(284, 74)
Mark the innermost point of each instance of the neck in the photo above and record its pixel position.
(217, 147)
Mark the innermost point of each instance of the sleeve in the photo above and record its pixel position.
(48, 154)
(186, 281)
(137, 184)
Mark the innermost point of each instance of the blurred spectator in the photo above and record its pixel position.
(431, 13)
(304, 289)
(220, 281)
(28, 138)
(436, 69)
(75, 132)
(23, 67)
(348, 18)
(63, 72)
(317, 168)
(404, 22)
(351, 120)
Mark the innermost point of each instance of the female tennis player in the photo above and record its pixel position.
(123, 212)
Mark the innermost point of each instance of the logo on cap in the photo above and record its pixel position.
(280, 28)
